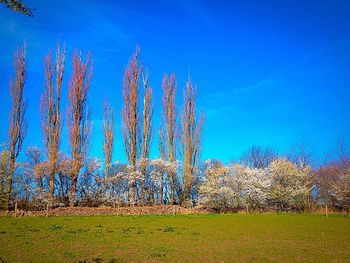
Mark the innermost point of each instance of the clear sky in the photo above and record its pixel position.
(269, 72)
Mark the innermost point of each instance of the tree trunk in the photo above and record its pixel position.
(73, 191)
(106, 180)
(40, 184)
(133, 194)
(9, 187)
(162, 190)
(172, 190)
(52, 187)
(187, 190)
(143, 187)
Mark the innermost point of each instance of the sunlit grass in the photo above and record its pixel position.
(198, 238)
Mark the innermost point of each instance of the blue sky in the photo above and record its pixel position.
(268, 72)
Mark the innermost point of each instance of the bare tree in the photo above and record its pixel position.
(51, 114)
(162, 152)
(18, 124)
(78, 116)
(258, 157)
(146, 131)
(64, 178)
(169, 118)
(35, 158)
(131, 117)
(108, 139)
(191, 138)
(301, 153)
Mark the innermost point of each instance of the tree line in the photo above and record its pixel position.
(56, 176)
(260, 180)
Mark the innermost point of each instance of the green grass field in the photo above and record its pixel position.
(182, 238)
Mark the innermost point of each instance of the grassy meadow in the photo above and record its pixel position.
(182, 238)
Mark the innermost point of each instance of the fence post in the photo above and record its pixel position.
(47, 209)
(16, 209)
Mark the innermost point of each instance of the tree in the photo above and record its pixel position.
(89, 186)
(169, 127)
(217, 191)
(4, 173)
(64, 178)
(290, 184)
(78, 116)
(17, 6)
(301, 153)
(146, 131)
(156, 180)
(131, 117)
(29, 183)
(234, 186)
(119, 183)
(51, 114)
(34, 159)
(191, 138)
(160, 172)
(258, 157)
(108, 139)
(333, 181)
(18, 124)
(251, 186)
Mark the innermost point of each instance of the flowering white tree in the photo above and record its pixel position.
(217, 191)
(234, 186)
(290, 184)
(340, 191)
(251, 185)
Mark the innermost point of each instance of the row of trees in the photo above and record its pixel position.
(280, 184)
(261, 179)
(63, 173)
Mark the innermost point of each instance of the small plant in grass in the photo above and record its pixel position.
(169, 229)
(160, 252)
(158, 255)
(78, 230)
(126, 231)
(140, 231)
(55, 227)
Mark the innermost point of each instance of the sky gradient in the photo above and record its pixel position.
(270, 73)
